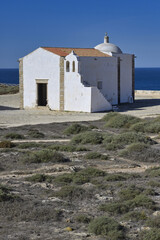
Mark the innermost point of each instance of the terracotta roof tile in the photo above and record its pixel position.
(81, 52)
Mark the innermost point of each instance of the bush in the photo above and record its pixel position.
(107, 227)
(71, 192)
(29, 145)
(135, 216)
(5, 194)
(44, 156)
(75, 128)
(83, 218)
(125, 206)
(14, 136)
(138, 127)
(68, 148)
(115, 177)
(117, 120)
(154, 222)
(130, 192)
(134, 148)
(80, 177)
(88, 137)
(6, 144)
(154, 184)
(153, 234)
(153, 172)
(39, 178)
(34, 133)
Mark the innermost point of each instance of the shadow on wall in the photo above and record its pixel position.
(3, 108)
(139, 104)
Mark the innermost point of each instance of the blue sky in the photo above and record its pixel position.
(133, 25)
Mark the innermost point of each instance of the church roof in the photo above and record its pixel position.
(81, 52)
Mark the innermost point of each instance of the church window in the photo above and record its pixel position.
(67, 66)
(99, 84)
(73, 66)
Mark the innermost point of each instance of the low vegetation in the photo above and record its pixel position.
(72, 193)
(88, 137)
(6, 144)
(14, 135)
(75, 128)
(117, 120)
(107, 227)
(44, 156)
(35, 133)
(5, 194)
(68, 148)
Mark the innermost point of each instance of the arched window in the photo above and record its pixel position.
(67, 66)
(73, 66)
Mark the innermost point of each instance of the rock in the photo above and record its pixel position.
(69, 229)
(156, 213)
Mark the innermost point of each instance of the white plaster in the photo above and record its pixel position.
(125, 77)
(41, 64)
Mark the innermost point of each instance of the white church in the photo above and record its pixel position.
(76, 79)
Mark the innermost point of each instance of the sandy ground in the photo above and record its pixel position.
(11, 115)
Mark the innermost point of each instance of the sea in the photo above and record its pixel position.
(145, 78)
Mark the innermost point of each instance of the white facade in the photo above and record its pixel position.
(89, 82)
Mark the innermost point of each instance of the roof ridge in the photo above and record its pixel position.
(67, 47)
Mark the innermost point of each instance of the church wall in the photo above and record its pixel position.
(125, 77)
(77, 97)
(101, 69)
(41, 65)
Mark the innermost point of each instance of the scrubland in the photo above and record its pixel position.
(102, 184)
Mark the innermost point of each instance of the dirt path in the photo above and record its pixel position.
(11, 115)
(40, 140)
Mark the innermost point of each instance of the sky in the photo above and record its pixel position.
(133, 25)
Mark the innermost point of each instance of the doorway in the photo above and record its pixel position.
(42, 94)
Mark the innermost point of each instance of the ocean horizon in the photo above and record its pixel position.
(145, 78)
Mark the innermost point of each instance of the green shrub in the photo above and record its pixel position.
(35, 133)
(80, 177)
(14, 136)
(110, 115)
(68, 148)
(5, 194)
(28, 145)
(132, 137)
(154, 222)
(154, 184)
(88, 137)
(153, 172)
(125, 206)
(139, 127)
(114, 146)
(115, 177)
(153, 234)
(129, 192)
(135, 216)
(39, 178)
(44, 156)
(134, 148)
(117, 120)
(75, 128)
(83, 218)
(71, 192)
(6, 144)
(116, 207)
(107, 227)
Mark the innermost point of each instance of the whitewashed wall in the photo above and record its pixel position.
(78, 97)
(41, 64)
(102, 69)
(125, 77)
